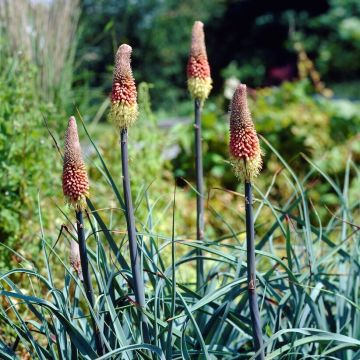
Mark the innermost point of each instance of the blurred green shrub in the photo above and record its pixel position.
(333, 39)
(159, 32)
(149, 166)
(294, 120)
(27, 159)
(252, 72)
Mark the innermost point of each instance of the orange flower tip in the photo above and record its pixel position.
(198, 69)
(75, 181)
(124, 108)
(244, 148)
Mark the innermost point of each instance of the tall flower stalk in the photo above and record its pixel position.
(124, 112)
(199, 85)
(75, 185)
(246, 158)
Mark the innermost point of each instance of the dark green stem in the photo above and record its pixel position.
(87, 278)
(74, 352)
(251, 272)
(130, 220)
(16, 343)
(199, 195)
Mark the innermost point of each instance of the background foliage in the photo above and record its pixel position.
(307, 224)
(27, 156)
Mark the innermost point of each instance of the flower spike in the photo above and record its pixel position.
(75, 181)
(124, 108)
(198, 69)
(245, 151)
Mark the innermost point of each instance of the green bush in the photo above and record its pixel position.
(332, 39)
(27, 158)
(294, 121)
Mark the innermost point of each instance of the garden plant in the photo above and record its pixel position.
(199, 84)
(281, 282)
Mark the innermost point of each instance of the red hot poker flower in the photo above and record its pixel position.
(198, 69)
(245, 151)
(75, 182)
(124, 108)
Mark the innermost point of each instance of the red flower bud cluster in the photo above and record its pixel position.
(124, 109)
(244, 146)
(75, 182)
(198, 69)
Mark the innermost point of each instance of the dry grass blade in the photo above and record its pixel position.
(44, 33)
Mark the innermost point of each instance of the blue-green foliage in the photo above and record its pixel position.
(308, 284)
